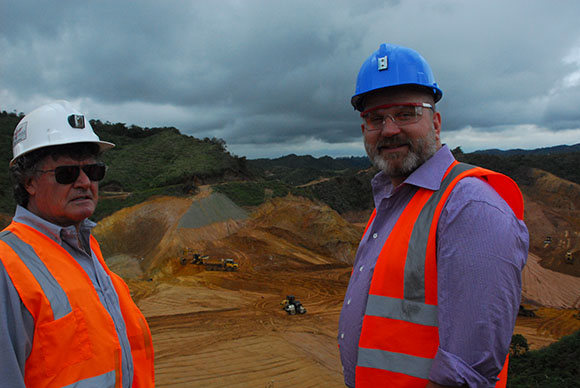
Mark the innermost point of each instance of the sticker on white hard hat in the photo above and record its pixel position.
(76, 121)
(19, 133)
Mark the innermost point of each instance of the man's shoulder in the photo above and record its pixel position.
(472, 189)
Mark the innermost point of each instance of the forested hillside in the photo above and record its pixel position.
(153, 161)
(563, 164)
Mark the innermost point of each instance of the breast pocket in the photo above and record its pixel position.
(64, 342)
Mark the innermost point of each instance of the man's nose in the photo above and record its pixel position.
(83, 179)
(389, 127)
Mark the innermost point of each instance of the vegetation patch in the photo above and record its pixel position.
(554, 366)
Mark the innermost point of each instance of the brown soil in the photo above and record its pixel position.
(227, 329)
(553, 211)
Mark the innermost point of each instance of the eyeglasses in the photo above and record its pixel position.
(68, 174)
(400, 114)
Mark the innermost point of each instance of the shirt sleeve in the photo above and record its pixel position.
(481, 250)
(16, 333)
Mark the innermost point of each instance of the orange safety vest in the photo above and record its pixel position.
(75, 342)
(400, 335)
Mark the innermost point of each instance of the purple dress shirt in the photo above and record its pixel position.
(481, 250)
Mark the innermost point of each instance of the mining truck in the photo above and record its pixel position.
(292, 306)
(228, 265)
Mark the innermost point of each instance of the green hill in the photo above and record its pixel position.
(154, 161)
(563, 164)
(299, 170)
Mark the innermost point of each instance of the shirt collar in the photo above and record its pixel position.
(53, 231)
(428, 175)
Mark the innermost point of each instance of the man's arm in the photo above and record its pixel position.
(482, 248)
(16, 333)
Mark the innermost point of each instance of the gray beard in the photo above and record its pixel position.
(420, 150)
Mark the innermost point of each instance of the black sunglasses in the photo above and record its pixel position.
(68, 174)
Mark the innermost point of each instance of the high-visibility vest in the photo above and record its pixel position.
(75, 341)
(400, 335)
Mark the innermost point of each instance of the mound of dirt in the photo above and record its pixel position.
(139, 231)
(284, 232)
(212, 209)
(315, 226)
(552, 215)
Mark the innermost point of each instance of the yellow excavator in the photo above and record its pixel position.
(191, 257)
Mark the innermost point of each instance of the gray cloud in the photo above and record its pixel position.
(277, 76)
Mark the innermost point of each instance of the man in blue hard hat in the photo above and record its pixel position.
(436, 283)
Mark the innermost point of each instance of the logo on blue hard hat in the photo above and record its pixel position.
(383, 63)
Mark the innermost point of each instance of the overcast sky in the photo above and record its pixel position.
(275, 77)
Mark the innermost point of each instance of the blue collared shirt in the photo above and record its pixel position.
(481, 250)
(16, 322)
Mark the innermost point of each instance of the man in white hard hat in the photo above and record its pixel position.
(65, 318)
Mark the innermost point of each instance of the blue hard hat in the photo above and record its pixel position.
(393, 65)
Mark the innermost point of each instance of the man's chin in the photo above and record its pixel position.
(79, 213)
(395, 166)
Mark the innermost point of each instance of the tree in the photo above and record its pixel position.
(519, 345)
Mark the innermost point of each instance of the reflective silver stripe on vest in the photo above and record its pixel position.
(52, 290)
(103, 381)
(403, 310)
(414, 283)
(397, 362)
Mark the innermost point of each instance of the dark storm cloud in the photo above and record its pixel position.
(280, 75)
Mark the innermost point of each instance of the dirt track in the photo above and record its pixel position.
(208, 336)
(209, 331)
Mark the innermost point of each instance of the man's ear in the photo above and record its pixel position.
(30, 185)
(437, 125)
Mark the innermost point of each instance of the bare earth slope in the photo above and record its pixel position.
(549, 288)
(218, 329)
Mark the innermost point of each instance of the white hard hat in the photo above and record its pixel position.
(53, 124)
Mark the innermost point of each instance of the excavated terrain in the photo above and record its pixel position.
(227, 329)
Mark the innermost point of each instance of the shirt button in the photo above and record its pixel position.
(375, 235)
(361, 268)
(341, 335)
(348, 301)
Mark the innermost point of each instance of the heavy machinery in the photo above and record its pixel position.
(191, 257)
(292, 305)
(228, 265)
(569, 258)
(524, 312)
